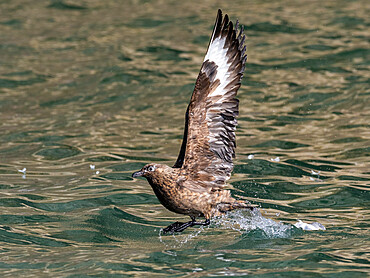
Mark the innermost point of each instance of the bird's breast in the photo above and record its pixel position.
(177, 198)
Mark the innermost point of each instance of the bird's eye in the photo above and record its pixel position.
(151, 168)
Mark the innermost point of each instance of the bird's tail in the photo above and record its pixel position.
(224, 207)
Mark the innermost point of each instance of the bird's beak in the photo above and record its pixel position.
(137, 174)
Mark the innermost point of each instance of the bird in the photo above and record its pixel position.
(194, 185)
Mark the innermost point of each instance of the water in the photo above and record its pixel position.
(90, 91)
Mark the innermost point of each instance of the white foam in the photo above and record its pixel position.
(23, 171)
(247, 221)
(315, 226)
(315, 173)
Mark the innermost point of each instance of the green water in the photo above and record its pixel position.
(104, 84)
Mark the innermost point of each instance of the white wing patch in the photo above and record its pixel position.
(217, 53)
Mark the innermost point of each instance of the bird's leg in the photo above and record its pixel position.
(181, 226)
(177, 227)
(205, 223)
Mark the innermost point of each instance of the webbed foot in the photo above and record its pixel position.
(176, 227)
(181, 226)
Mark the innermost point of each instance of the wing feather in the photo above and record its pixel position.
(209, 138)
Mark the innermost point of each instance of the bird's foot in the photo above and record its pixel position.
(181, 226)
(177, 227)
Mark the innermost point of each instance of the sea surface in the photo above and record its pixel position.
(90, 91)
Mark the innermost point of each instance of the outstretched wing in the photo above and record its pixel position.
(209, 138)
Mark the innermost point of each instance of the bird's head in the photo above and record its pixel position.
(157, 173)
(148, 170)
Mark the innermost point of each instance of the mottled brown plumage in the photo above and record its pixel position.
(194, 185)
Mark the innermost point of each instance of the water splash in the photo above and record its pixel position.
(178, 240)
(23, 171)
(276, 159)
(315, 226)
(246, 222)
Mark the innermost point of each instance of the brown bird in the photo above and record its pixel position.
(194, 185)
